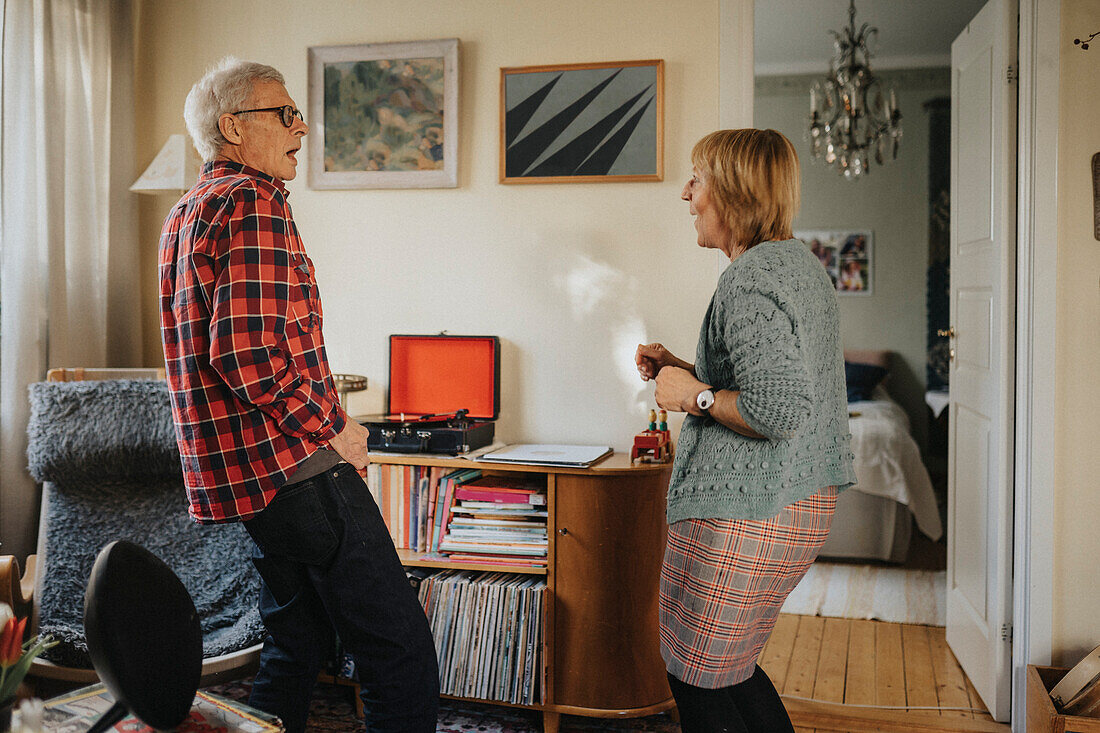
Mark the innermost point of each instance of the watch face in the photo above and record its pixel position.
(705, 399)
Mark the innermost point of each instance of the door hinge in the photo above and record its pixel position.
(1010, 74)
(1006, 632)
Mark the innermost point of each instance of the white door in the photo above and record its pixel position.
(983, 237)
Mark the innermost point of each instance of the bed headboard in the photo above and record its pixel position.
(864, 370)
(874, 357)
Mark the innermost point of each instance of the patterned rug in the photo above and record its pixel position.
(333, 709)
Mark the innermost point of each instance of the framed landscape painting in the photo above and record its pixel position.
(384, 115)
(846, 256)
(599, 122)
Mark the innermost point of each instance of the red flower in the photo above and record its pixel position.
(11, 641)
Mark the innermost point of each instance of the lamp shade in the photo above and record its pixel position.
(174, 169)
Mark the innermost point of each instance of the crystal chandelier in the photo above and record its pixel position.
(849, 121)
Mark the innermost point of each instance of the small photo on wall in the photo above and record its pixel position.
(845, 255)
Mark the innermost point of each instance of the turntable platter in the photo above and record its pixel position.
(406, 419)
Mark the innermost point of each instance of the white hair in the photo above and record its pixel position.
(225, 88)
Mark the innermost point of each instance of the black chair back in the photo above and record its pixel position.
(143, 636)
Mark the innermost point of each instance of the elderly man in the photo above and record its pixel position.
(262, 436)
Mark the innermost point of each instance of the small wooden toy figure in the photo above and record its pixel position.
(653, 445)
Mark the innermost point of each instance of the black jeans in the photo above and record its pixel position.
(330, 568)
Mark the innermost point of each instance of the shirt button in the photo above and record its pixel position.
(737, 467)
(751, 466)
(764, 464)
(743, 488)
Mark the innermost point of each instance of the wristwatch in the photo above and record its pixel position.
(705, 399)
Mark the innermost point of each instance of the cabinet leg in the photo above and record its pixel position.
(358, 701)
(550, 721)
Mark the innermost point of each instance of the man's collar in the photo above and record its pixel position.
(214, 168)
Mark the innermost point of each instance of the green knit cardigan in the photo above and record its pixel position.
(771, 331)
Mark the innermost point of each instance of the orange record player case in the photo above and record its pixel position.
(444, 393)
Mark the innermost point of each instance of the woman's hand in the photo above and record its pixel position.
(651, 358)
(677, 389)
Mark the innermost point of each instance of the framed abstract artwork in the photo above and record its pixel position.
(600, 122)
(846, 256)
(384, 115)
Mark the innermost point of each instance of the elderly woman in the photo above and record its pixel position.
(764, 448)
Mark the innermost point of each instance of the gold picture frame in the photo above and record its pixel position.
(582, 123)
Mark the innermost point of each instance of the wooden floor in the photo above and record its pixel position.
(814, 661)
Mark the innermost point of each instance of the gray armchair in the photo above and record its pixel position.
(105, 453)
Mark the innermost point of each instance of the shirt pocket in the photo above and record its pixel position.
(304, 299)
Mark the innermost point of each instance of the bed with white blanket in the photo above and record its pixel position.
(873, 518)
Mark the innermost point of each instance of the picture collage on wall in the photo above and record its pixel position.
(846, 256)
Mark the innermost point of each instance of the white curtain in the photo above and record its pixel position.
(69, 289)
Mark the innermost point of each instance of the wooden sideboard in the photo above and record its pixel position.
(606, 529)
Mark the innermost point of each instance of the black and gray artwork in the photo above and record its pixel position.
(581, 122)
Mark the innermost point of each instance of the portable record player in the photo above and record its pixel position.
(443, 398)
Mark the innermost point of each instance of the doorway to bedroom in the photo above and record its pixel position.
(886, 556)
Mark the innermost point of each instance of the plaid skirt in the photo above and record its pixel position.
(723, 582)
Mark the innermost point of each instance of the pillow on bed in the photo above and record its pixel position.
(862, 379)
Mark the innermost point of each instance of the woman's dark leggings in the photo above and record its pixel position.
(752, 706)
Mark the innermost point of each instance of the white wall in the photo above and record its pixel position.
(892, 202)
(570, 276)
(1077, 361)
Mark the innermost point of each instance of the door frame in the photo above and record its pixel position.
(1036, 274)
(1036, 322)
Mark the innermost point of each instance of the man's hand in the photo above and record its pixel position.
(351, 444)
(677, 389)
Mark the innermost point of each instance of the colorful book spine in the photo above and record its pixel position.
(386, 505)
(395, 506)
(437, 521)
(453, 480)
(500, 496)
(433, 492)
(410, 497)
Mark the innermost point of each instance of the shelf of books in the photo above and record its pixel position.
(488, 634)
(519, 568)
(475, 544)
(440, 517)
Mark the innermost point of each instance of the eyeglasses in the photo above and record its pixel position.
(286, 112)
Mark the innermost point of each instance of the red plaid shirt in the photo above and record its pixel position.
(252, 394)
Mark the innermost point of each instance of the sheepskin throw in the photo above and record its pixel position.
(106, 454)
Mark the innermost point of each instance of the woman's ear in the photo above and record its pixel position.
(229, 126)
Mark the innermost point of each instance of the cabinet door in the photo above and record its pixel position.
(608, 550)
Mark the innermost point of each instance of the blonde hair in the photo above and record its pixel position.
(753, 176)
